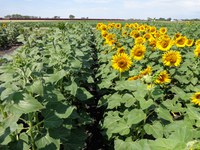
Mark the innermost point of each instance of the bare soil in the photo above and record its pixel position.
(8, 50)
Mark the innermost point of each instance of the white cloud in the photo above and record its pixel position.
(93, 1)
(163, 8)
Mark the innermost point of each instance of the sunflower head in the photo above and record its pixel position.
(146, 71)
(177, 35)
(121, 50)
(152, 43)
(118, 25)
(103, 27)
(147, 36)
(196, 98)
(142, 28)
(189, 42)
(164, 43)
(197, 51)
(152, 30)
(134, 77)
(135, 25)
(163, 30)
(197, 42)
(163, 78)
(172, 58)
(181, 41)
(104, 33)
(134, 34)
(4, 25)
(138, 52)
(121, 62)
(124, 33)
(140, 40)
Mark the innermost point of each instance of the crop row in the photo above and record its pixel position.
(132, 86)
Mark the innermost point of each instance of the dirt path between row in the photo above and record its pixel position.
(8, 50)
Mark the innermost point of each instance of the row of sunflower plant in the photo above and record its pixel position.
(44, 89)
(151, 79)
(8, 34)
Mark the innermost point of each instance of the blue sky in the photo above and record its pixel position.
(125, 9)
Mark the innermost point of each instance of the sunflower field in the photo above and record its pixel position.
(8, 34)
(132, 86)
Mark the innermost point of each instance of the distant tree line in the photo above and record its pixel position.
(159, 19)
(170, 19)
(20, 16)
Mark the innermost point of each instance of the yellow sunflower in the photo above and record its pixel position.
(172, 58)
(140, 40)
(121, 50)
(163, 30)
(138, 52)
(152, 43)
(181, 41)
(4, 25)
(124, 33)
(197, 42)
(98, 26)
(104, 33)
(103, 27)
(197, 51)
(141, 28)
(134, 34)
(164, 43)
(134, 77)
(135, 25)
(196, 98)
(189, 42)
(121, 62)
(118, 25)
(147, 36)
(152, 29)
(177, 35)
(163, 78)
(146, 71)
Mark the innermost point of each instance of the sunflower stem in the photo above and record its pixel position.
(120, 76)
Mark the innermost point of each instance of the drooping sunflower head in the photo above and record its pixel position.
(196, 98)
(125, 34)
(138, 52)
(147, 36)
(163, 30)
(121, 62)
(152, 43)
(121, 50)
(181, 41)
(189, 42)
(197, 51)
(163, 78)
(134, 77)
(172, 58)
(146, 71)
